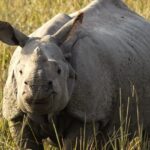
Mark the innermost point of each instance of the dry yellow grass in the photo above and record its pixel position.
(28, 15)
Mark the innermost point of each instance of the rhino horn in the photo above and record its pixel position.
(68, 29)
(12, 36)
(38, 55)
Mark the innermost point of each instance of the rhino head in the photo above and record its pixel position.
(44, 78)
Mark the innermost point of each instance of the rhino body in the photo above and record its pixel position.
(109, 53)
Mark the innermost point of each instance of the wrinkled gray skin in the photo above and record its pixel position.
(71, 71)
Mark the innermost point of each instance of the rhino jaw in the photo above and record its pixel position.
(36, 106)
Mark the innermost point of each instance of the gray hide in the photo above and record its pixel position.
(112, 51)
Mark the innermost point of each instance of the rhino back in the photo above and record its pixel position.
(112, 52)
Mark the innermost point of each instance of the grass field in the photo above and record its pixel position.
(27, 15)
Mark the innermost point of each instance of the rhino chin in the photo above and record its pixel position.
(36, 108)
(40, 109)
(41, 119)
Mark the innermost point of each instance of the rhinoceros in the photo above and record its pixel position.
(68, 73)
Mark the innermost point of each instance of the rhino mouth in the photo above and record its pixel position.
(42, 100)
(39, 106)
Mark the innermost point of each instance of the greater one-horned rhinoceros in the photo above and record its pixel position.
(69, 73)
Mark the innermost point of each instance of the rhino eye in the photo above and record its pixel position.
(20, 71)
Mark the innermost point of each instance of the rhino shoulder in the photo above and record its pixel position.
(93, 92)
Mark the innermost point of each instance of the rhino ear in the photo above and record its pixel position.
(66, 31)
(11, 36)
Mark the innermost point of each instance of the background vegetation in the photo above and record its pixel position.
(27, 15)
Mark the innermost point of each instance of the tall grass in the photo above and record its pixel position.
(27, 15)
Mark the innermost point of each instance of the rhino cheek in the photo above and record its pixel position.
(62, 97)
(66, 95)
(20, 103)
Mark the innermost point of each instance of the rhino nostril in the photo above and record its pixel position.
(25, 82)
(23, 92)
(50, 84)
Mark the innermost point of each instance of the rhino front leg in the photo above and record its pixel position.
(26, 134)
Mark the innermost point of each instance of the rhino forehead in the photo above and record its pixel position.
(52, 51)
(49, 49)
